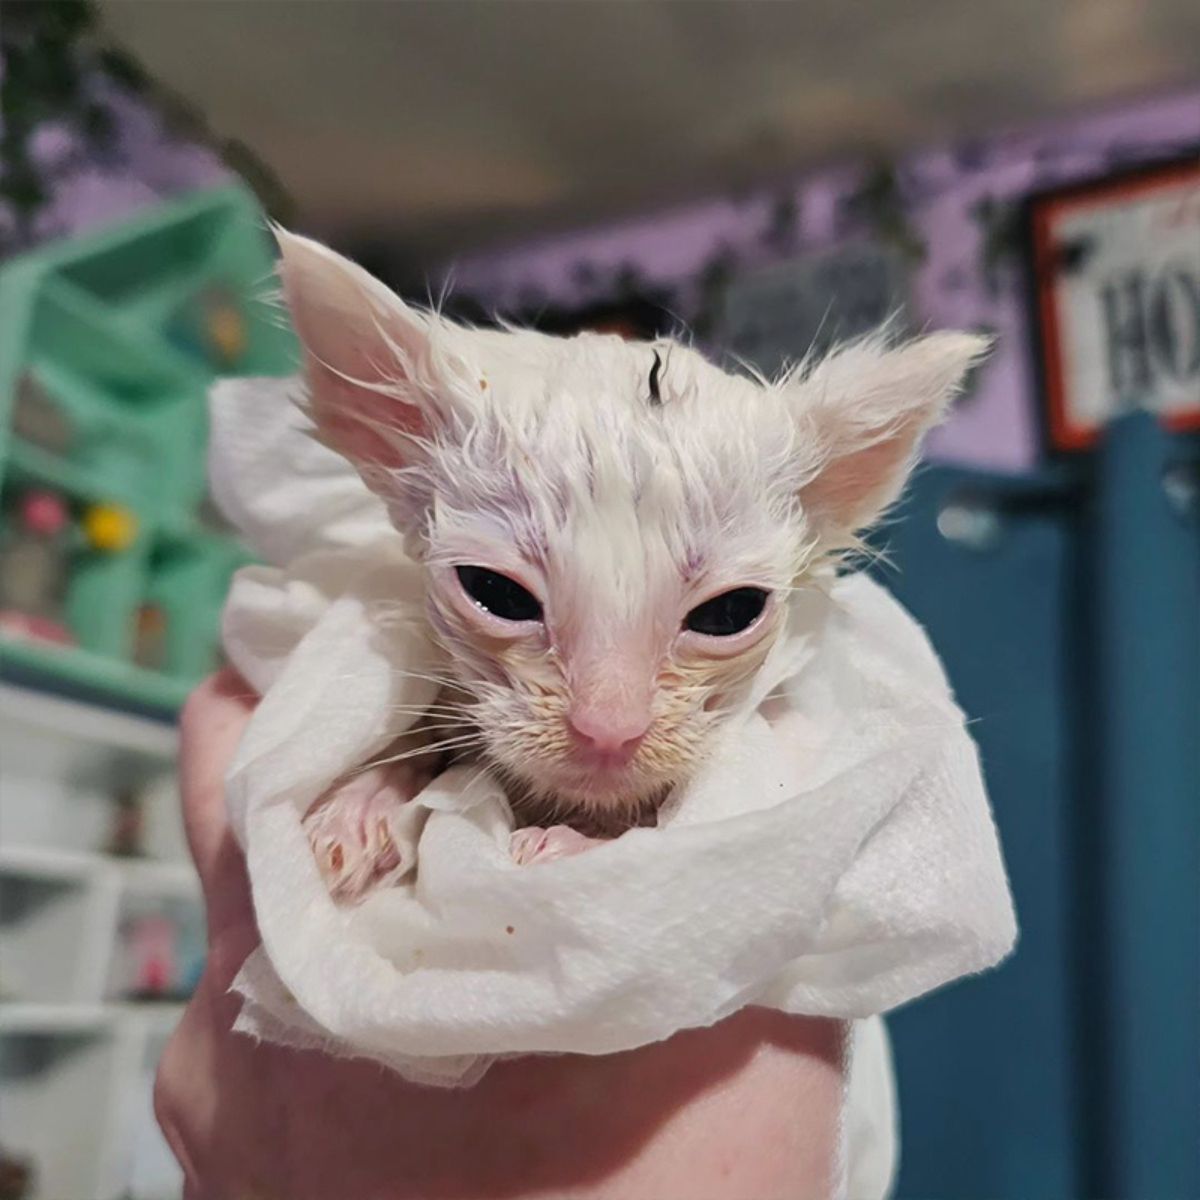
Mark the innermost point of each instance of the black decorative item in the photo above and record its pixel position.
(715, 277)
(781, 233)
(878, 206)
(1001, 224)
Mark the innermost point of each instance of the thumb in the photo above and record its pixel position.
(211, 725)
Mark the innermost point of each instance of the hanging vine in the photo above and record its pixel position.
(56, 62)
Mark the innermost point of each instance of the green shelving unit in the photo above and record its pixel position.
(108, 346)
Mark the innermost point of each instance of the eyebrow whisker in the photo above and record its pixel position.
(655, 396)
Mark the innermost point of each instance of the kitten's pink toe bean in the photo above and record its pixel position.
(364, 834)
(524, 844)
(545, 845)
(396, 829)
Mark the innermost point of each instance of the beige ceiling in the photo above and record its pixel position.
(448, 123)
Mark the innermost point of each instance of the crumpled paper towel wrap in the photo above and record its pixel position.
(836, 857)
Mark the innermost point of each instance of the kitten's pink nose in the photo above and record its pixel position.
(607, 739)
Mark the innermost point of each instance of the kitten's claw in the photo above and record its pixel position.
(364, 833)
(545, 845)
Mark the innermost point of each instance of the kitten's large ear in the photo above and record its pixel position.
(367, 356)
(866, 408)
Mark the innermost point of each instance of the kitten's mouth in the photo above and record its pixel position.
(598, 803)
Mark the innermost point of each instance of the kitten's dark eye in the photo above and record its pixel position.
(499, 595)
(728, 613)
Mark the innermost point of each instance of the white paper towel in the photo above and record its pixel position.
(835, 857)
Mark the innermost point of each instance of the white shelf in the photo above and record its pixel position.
(48, 863)
(144, 875)
(56, 1020)
(62, 764)
(77, 1069)
(140, 875)
(24, 707)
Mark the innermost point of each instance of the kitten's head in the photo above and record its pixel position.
(611, 529)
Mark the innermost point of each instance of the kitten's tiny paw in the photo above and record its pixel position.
(534, 844)
(364, 833)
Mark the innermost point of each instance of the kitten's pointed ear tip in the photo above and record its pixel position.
(957, 346)
(284, 238)
(297, 250)
(943, 360)
(309, 269)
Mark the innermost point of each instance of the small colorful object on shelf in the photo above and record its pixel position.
(33, 568)
(212, 326)
(152, 941)
(31, 627)
(126, 839)
(225, 327)
(109, 527)
(150, 637)
(16, 1176)
(43, 512)
(160, 949)
(191, 949)
(37, 417)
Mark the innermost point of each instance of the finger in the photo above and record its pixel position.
(212, 723)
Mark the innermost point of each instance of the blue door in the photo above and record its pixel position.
(1067, 611)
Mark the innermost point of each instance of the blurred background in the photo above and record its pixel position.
(770, 177)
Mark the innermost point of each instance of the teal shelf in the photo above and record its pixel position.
(108, 346)
(99, 675)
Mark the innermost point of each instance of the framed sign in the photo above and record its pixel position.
(1117, 280)
(777, 314)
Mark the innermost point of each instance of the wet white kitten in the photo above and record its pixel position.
(611, 530)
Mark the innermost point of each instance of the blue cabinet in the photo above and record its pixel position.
(1067, 611)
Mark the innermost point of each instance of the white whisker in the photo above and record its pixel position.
(430, 750)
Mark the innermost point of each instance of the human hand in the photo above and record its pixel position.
(745, 1110)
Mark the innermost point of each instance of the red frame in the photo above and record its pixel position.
(1046, 211)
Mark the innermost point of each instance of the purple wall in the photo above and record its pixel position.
(960, 200)
(143, 165)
